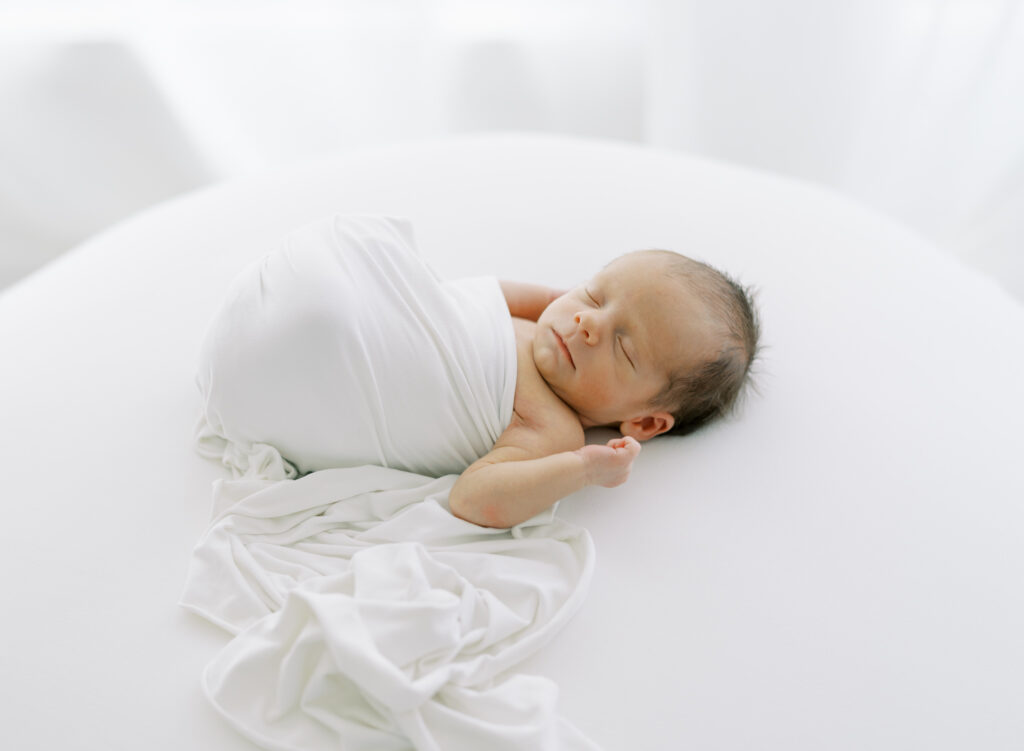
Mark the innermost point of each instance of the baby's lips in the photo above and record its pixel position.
(564, 346)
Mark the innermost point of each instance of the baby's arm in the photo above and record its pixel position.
(517, 480)
(528, 300)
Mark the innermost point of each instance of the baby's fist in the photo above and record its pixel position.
(609, 465)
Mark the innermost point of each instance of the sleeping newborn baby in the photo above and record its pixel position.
(654, 343)
(342, 349)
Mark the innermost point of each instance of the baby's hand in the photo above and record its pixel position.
(609, 465)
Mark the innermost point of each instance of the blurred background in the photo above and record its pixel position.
(914, 107)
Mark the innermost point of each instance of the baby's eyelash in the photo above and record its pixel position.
(592, 298)
(625, 352)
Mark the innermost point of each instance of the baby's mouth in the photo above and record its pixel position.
(564, 348)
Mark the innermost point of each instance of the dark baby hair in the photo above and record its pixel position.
(700, 395)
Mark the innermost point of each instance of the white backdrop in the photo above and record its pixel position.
(913, 106)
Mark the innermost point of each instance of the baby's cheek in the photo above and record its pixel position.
(598, 392)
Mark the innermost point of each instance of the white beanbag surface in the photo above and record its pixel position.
(839, 567)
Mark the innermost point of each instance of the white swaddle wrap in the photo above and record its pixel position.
(366, 615)
(346, 326)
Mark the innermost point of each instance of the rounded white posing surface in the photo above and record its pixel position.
(839, 567)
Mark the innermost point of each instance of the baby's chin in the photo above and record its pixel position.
(546, 362)
(541, 355)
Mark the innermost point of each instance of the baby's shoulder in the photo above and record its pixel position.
(538, 412)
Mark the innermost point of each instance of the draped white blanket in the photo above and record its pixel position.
(345, 385)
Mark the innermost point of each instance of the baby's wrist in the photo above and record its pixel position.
(586, 464)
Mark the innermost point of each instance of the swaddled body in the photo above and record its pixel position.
(343, 349)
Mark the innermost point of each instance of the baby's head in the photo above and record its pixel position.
(655, 342)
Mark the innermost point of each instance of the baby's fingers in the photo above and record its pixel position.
(632, 445)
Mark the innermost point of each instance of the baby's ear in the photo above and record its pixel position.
(647, 426)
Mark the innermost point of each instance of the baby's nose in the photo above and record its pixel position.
(588, 327)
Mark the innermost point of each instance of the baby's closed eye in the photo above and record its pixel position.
(625, 353)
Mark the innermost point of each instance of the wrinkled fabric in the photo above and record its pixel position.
(365, 615)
